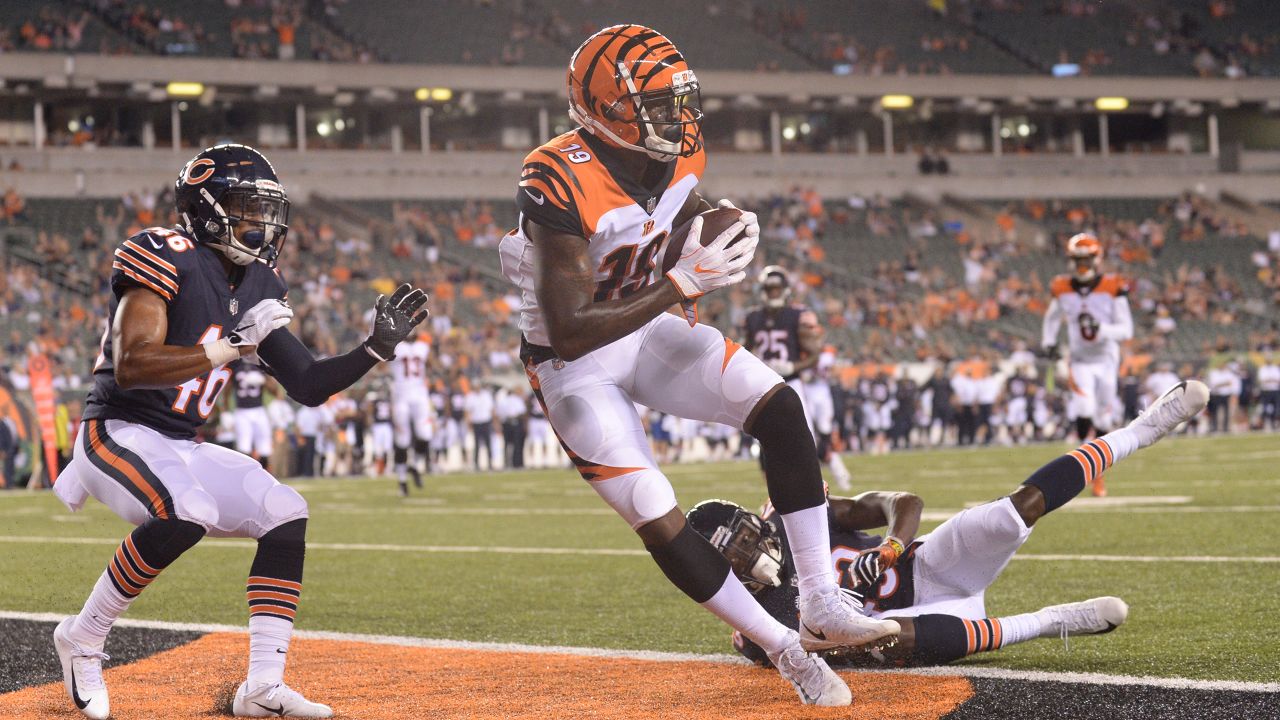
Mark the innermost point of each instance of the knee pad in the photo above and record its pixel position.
(639, 497)
(281, 552)
(282, 504)
(781, 418)
(197, 506)
(692, 564)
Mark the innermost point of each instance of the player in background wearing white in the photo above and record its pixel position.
(820, 404)
(381, 433)
(1269, 389)
(596, 206)
(253, 427)
(412, 414)
(1224, 395)
(1095, 309)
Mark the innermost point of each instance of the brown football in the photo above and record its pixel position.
(714, 222)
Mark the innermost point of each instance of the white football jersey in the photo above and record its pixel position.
(409, 369)
(568, 186)
(1097, 318)
(1269, 377)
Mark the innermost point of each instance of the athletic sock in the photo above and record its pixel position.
(1064, 477)
(940, 639)
(150, 548)
(735, 605)
(810, 543)
(273, 591)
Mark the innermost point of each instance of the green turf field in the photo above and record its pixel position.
(495, 581)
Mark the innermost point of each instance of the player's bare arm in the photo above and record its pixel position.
(141, 358)
(577, 325)
(900, 512)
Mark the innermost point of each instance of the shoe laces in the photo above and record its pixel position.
(1164, 413)
(90, 673)
(1073, 618)
(844, 597)
(801, 666)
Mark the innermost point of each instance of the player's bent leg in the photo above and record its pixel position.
(1063, 478)
(967, 552)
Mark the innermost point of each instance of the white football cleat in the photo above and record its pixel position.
(815, 682)
(277, 700)
(834, 620)
(1087, 617)
(1177, 405)
(82, 672)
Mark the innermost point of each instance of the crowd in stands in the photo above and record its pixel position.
(940, 295)
(48, 28)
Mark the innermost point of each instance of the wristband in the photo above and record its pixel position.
(221, 352)
(896, 544)
(375, 355)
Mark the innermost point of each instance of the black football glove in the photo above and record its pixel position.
(394, 320)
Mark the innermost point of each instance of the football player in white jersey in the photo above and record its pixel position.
(253, 427)
(596, 205)
(820, 404)
(412, 414)
(1095, 308)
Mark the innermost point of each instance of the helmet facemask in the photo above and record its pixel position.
(667, 121)
(752, 549)
(250, 223)
(1084, 267)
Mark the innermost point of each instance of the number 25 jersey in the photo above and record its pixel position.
(572, 185)
(202, 307)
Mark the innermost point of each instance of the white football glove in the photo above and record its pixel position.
(260, 321)
(748, 218)
(785, 368)
(703, 269)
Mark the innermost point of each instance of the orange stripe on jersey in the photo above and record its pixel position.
(1112, 285)
(1060, 285)
(147, 270)
(159, 290)
(597, 473)
(730, 347)
(129, 471)
(151, 256)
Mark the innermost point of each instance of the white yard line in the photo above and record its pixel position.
(617, 552)
(656, 656)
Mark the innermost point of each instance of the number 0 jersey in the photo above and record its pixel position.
(202, 307)
(1085, 308)
(572, 185)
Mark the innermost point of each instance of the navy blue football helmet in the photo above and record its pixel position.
(229, 198)
(750, 544)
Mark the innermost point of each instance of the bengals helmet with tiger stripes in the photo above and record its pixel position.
(1085, 253)
(629, 86)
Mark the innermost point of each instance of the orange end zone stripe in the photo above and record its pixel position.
(129, 471)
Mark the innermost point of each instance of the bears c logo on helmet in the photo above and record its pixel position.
(191, 178)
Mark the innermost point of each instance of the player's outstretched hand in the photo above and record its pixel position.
(394, 320)
(260, 321)
(703, 268)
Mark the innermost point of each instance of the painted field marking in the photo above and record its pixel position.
(614, 552)
(659, 656)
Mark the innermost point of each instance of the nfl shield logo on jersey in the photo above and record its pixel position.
(234, 306)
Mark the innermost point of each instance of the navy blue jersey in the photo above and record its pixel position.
(203, 307)
(894, 591)
(382, 411)
(250, 381)
(774, 334)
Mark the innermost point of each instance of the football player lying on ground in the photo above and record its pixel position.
(596, 207)
(934, 586)
(163, 364)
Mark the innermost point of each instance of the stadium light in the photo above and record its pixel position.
(422, 94)
(441, 94)
(897, 102)
(185, 89)
(1111, 104)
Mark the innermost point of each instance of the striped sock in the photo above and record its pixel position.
(273, 591)
(1094, 457)
(150, 548)
(983, 635)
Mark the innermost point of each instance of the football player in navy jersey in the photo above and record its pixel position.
(934, 586)
(185, 302)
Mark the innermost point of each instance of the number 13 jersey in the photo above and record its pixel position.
(572, 185)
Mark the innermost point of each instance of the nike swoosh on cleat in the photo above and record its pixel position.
(75, 694)
(817, 635)
(277, 710)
